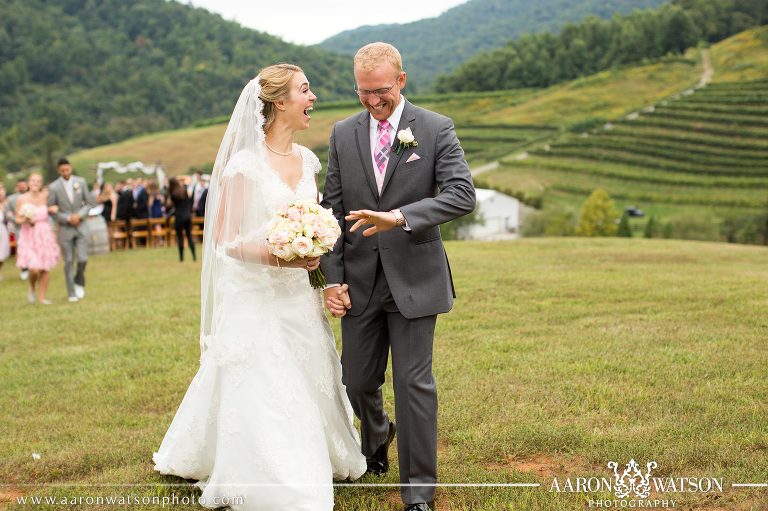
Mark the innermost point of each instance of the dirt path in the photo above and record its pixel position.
(709, 71)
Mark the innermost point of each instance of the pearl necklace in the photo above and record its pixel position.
(278, 152)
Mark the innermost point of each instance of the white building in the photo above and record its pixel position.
(501, 217)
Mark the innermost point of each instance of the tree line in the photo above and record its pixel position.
(582, 49)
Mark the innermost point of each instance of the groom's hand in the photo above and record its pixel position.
(382, 221)
(337, 300)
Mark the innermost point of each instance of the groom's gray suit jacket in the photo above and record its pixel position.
(429, 191)
(82, 202)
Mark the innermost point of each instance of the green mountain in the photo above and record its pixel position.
(81, 73)
(437, 45)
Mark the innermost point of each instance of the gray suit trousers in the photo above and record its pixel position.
(367, 339)
(74, 244)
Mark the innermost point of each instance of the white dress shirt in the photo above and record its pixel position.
(69, 191)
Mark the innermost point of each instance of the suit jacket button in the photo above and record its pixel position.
(375, 249)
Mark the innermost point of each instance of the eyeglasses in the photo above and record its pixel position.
(379, 92)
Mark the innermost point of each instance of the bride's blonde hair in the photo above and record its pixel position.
(275, 81)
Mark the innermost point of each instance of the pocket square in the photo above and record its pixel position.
(413, 157)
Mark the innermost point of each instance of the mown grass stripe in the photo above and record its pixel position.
(713, 108)
(756, 120)
(637, 147)
(527, 127)
(624, 158)
(621, 194)
(637, 174)
(662, 133)
(663, 143)
(670, 192)
(726, 100)
(700, 127)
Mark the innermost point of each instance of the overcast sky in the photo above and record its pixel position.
(312, 21)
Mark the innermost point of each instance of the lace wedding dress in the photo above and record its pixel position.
(266, 418)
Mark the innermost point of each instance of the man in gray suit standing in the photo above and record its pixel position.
(70, 193)
(399, 170)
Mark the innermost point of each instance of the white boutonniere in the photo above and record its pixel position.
(76, 186)
(405, 139)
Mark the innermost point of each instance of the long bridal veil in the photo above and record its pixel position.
(236, 215)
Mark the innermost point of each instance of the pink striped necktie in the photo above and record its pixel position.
(381, 155)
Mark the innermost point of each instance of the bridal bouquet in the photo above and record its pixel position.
(28, 211)
(303, 229)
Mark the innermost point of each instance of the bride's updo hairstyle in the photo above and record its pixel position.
(275, 85)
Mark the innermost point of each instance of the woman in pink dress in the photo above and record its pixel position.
(37, 248)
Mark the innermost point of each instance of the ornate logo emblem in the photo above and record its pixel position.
(632, 479)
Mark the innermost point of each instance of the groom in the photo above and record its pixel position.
(394, 277)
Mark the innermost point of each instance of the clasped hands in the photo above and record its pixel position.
(337, 300)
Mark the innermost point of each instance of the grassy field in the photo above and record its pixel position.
(742, 57)
(560, 355)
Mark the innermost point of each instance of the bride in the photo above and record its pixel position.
(266, 420)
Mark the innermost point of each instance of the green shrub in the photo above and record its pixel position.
(598, 215)
(751, 229)
(625, 229)
(652, 228)
(551, 222)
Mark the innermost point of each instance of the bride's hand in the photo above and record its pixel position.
(309, 264)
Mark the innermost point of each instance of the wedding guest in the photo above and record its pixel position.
(199, 193)
(10, 217)
(182, 205)
(140, 200)
(125, 200)
(156, 200)
(37, 247)
(5, 240)
(70, 193)
(108, 198)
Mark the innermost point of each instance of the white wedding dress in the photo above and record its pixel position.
(266, 417)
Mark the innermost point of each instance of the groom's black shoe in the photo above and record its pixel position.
(423, 506)
(378, 463)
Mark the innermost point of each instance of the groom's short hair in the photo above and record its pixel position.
(372, 55)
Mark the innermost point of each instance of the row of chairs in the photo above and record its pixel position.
(151, 232)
